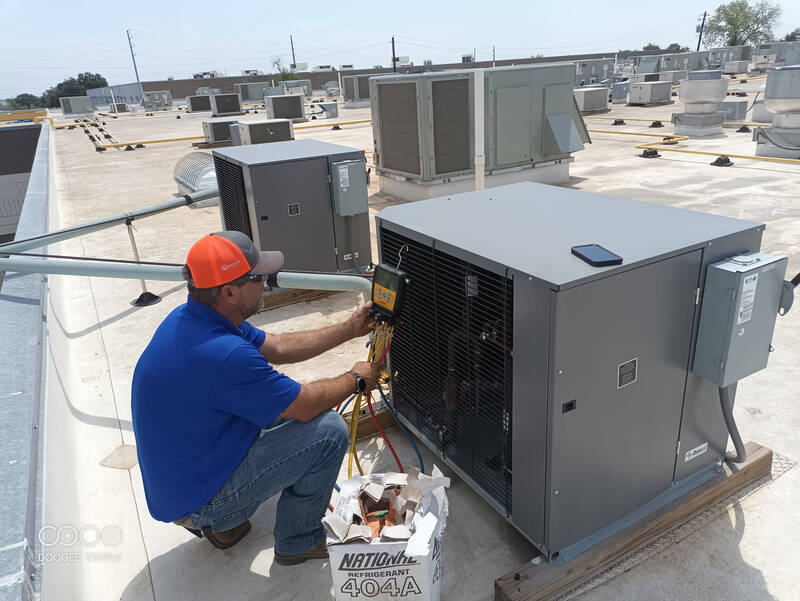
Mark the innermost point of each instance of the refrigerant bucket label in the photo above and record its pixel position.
(747, 299)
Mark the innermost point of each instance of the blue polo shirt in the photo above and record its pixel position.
(201, 393)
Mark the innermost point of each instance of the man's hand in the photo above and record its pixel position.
(370, 372)
(359, 321)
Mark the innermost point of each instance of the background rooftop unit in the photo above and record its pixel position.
(684, 61)
(198, 103)
(218, 131)
(305, 197)
(288, 106)
(76, 105)
(593, 71)
(423, 123)
(356, 87)
(252, 91)
(157, 100)
(225, 104)
(260, 132)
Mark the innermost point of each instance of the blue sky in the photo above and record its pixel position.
(42, 44)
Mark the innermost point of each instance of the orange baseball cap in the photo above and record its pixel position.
(219, 258)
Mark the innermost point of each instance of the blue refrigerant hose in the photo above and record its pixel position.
(403, 428)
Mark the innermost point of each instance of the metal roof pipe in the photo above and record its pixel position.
(105, 223)
(101, 269)
(132, 270)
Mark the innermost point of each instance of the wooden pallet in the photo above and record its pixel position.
(281, 298)
(212, 145)
(545, 582)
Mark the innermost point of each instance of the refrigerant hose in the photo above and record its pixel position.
(727, 413)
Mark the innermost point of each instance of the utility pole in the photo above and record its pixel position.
(493, 55)
(294, 61)
(133, 58)
(394, 57)
(702, 26)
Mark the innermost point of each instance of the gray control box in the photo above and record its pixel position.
(349, 187)
(737, 318)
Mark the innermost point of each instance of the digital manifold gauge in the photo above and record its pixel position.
(388, 292)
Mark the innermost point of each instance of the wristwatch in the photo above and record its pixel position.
(361, 383)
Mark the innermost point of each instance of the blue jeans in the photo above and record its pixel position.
(300, 460)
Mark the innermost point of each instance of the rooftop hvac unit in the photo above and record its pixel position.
(783, 51)
(591, 100)
(651, 92)
(206, 91)
(781, 97)
(288, 106)
(275, 130)
(688, 61)
(503, 363)
(356, 89)
(304, 197)
(76, 105)
(619, 92)
(593, 71)
(225, 104)
(423, 128)
(217, 131)
(735, 67)
(198, 103)
(643, 77)
(157, 100)
(648, 64)
(673, 76)
(708, 74)
(297, 86)
(254, 92)
(735, 110)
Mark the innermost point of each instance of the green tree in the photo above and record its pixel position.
(742, 22)
(651, 46)
(792, 36)
(73, 86)
(676, 48)
(27, 101)
(284, 72)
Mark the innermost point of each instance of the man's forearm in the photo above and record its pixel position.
(293, 347)
(319, 396)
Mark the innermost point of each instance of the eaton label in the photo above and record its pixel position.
(344, 177)
(695, 452)
(747, 299)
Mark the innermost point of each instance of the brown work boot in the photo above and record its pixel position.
(320, 552)
(221, 540)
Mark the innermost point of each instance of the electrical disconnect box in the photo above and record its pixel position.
(740, 305)
(303, 197)
(562, 392)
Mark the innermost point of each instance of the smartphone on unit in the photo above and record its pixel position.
(596, 256)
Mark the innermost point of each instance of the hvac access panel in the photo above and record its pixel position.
(619, 355)
(294, 202)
